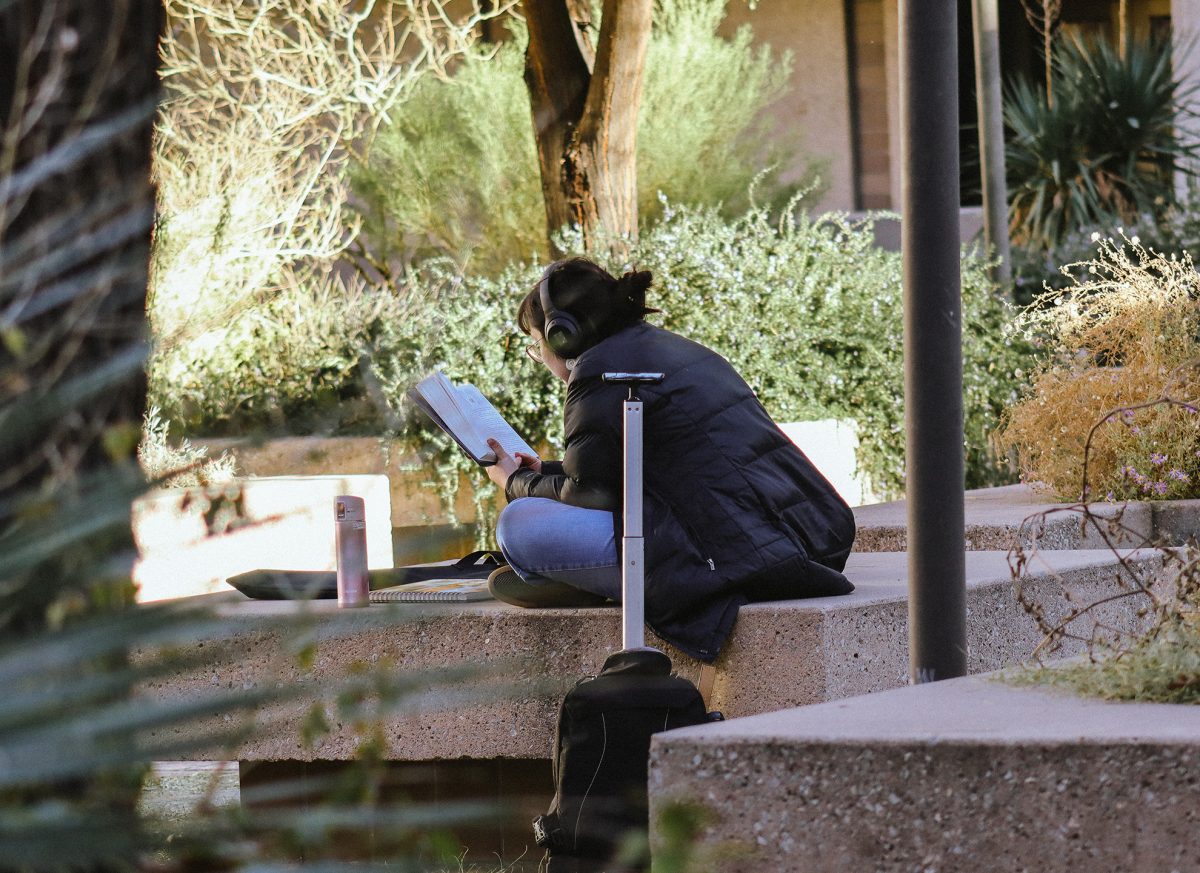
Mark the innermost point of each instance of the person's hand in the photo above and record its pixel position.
(533, 462)
(504, 466)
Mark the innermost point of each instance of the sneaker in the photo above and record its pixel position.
(506, 586)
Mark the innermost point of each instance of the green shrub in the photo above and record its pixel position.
(455, 171)
(1106, 147)
(702, 135)
(290, 364)
(808, 310)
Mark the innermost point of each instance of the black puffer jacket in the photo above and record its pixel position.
(734, 511)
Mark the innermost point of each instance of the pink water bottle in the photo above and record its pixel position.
(353, 584)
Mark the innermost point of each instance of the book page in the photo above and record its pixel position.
(488, 422)
(441, 395)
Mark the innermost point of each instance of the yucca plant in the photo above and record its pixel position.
(1105, 149)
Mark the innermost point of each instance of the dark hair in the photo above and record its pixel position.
(602, 304)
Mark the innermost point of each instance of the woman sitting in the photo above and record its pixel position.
(734, 511)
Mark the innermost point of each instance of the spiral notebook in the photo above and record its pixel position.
(434, 591)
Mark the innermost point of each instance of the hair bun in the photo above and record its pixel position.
(632, 287)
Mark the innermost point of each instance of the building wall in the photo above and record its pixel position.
(816, 112)
(819, 112)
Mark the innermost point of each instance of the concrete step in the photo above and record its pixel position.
(967, 774)
(781, 655)
(996, 519)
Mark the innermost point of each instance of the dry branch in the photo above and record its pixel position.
(265, 104)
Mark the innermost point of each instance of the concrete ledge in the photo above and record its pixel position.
(994, 519)
(963, 775)
(781, 654)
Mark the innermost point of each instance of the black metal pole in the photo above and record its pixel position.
(932, 339)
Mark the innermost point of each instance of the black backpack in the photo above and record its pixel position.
(602, 743)
(601, 756)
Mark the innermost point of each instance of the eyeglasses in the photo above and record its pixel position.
(533, 351)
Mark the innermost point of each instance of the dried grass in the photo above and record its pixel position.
(1160, 664)
(1123, 334)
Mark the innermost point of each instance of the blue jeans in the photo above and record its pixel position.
(544, 540)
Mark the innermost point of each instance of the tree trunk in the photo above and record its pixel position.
(985, 27)
(584, 119)
(1048, 51)
(1124, 29)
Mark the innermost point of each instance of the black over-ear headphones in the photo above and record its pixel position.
(562, 332)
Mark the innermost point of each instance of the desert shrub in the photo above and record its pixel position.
(1122, 334)
(178, 465)
(702, 132)
(454, 172)
(1173, 230)
(291, 364)
(807, 309)
(1161, 667)
(250, 157)
(1107, 146)
(1155, 659)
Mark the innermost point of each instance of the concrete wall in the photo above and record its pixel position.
(816, 112)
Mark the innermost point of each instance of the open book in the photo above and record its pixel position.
(467, 416)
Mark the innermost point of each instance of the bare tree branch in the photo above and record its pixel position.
(266, 102)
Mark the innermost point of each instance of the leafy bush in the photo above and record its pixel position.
(808, 310)
(1124, 333)
(1106, 147)
(455, 171)
(292, 364)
